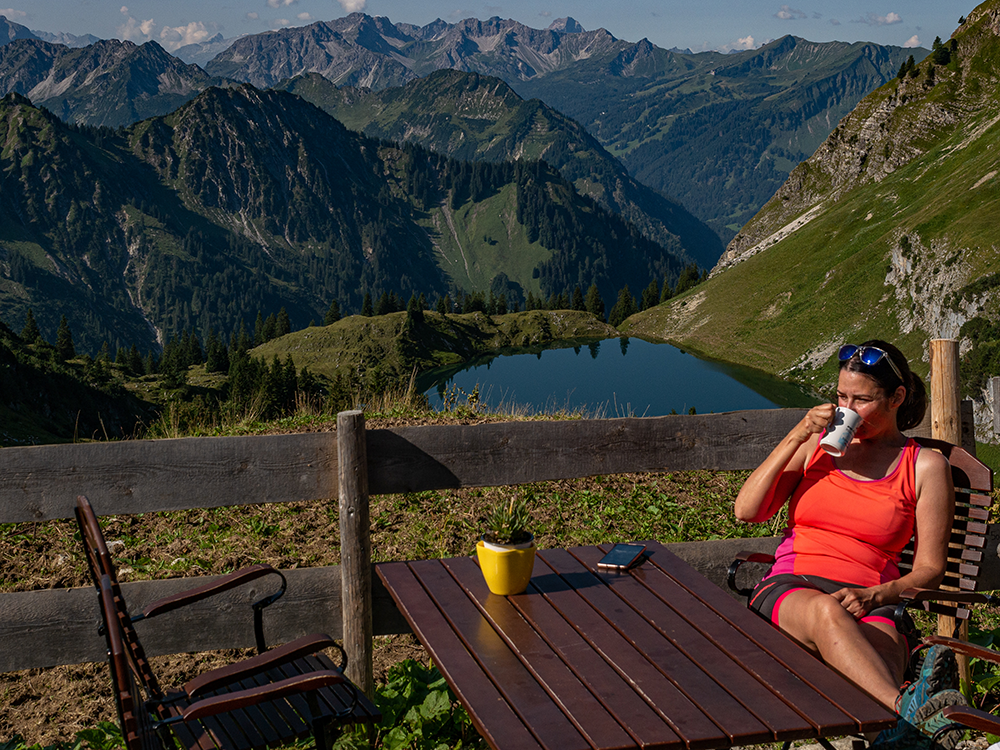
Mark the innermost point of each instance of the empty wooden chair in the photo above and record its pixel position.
(277, 697)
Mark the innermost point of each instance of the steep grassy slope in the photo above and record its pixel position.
(888, 230)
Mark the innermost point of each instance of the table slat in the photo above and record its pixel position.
(716, 656)
(565, 689)
(867, 713)
(685, 718)
(488, 709)
(732, 718)
(520, 689)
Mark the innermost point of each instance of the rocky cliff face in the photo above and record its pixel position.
(107, 83)
(895, 125)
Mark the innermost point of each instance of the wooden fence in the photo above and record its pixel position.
(59, 626)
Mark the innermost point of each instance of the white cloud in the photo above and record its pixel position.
(304, 17)
(280, 3)
(253, 16)
(124, 10)
(12, 14)
(135, 30)
(352, 6)
(746, 42)
(872, 19)
(279, 23)
(175, 37)
(788, 13)
(913, 41)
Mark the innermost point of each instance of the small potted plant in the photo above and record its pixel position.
(506, 551)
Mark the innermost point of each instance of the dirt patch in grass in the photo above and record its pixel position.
(53, 704)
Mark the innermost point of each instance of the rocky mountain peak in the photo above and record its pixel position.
(567, 25)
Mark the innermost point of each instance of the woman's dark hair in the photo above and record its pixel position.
(911, 412)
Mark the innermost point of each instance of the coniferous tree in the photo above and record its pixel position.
(689, 278)
(332, 314)
(30, 333)
(366, 306)
(593, 303)
(283, 325)
(414, 312)
(578, 303)
(64, 341)
(135, 360)
(650, 296)
(623, 308)
(667, 292)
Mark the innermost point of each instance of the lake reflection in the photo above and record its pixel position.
(610, 378)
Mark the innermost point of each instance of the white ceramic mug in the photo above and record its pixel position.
(840, 431)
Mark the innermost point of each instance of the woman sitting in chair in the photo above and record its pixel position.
(835, 581)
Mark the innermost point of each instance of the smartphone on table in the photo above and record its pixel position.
(622, 557)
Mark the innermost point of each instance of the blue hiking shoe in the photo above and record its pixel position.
(939, 671)
(903, 736)
(931, 722)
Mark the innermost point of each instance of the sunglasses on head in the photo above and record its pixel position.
(869, 356)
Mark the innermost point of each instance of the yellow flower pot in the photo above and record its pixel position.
(506, 567)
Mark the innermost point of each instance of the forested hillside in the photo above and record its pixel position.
(244, 201)
(479, 118)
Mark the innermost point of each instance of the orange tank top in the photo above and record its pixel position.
(849, 530)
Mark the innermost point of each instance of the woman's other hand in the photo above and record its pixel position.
(858, 602)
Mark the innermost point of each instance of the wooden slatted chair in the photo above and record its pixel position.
(275, 698)
(973, 487)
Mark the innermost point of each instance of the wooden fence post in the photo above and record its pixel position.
(995, 398)
(355, 548)
(946, 425)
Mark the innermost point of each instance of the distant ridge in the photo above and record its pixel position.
(887, 231)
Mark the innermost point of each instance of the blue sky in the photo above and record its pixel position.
(699, 25)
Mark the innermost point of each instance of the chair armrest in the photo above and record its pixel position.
(973, 718)
(734, 567)
(170, 603)
(971, 650)
(941, 595)
(216, 678)
(224, 583)
(252, 696)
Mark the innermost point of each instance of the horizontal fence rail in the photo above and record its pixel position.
(59, 626)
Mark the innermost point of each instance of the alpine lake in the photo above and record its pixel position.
(618, 377)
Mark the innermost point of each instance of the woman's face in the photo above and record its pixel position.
(862, 394)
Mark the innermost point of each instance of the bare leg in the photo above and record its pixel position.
(820, 623)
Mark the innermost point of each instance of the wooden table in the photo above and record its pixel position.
(658, 657)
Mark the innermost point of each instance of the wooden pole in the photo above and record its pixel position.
(355, 548)
(946, 424)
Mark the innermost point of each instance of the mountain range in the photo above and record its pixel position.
(243, 201)
(719, 133)
(474, 117)
(887, 231)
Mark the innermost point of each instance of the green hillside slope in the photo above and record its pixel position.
(476, 117)
(244, 202)
(888, 230)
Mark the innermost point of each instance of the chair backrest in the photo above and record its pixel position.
(973, 487)
(100, 565)
(136, 724)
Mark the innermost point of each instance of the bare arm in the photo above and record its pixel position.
(934, 513)
(772, 483)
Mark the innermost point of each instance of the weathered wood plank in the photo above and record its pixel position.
(40, 483)
(140, 476)
(59, 626)
(410, 459)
